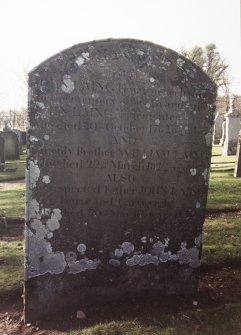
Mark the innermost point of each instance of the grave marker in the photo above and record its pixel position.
(232, 129)
(11, 145)
(2, 154)
(237, 169)
(120, 145)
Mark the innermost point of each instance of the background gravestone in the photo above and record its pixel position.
(232, 129)
(11, 145)
(120, 144)
(237, 169)
(19, 136)
(217, 133)
(2, 154)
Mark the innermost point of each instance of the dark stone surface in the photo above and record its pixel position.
(119, 153)
(2, 154)
(11, 145)
(24, 137)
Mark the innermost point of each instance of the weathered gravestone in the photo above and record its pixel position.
(2, 154)
(11, 145)
(24, 137)
(19, 136)
(222, 140)
(232, 129)
(237, 169)
(217, 133)
(120, 143)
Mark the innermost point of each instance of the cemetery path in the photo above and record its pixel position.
(11, 184)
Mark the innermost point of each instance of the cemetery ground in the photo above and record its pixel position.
(215, 310)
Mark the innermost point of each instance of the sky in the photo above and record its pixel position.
(34, 30)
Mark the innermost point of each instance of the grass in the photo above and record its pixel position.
(196, 322)
(216, 150)
(224, 192)
(222, 241)
(11, 274)
(19, 165)
(12, 203)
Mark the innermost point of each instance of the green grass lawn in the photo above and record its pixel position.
(222, 240)
(224, 192)
(11, 274)
(193, 322)
(12, 203)
(20, 166)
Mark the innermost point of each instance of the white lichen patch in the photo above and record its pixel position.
(33, 210)
(180, 62)
(193, 171)
(144, 156)
(46, 179)
(34, 173)
(39, 228)
(198, 205)
(157, 122)
(144, 239)
(46, 137)
(40, 104)
(81, 248)
(118, 253)
(167, 256)
(33, 139)
(85, 56)
(50, 235)
(140, 52)
(209, 138)
(205, 174)
(198, 240)
(42, 260)
(70, 256)
(53, 222)
(142, 260)
(83, 265)
(158, 248)
(127, 247)
(152, 80)
(68, 84)
(189, 256)
(148, 105)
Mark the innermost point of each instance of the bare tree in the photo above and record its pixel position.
(211, 62)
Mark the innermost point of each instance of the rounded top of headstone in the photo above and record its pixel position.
(147, 53)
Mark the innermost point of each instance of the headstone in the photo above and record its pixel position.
(24, 137)
(2, 154)
(11, 145)
(120, 145)
(237, 169)
(232, 130)
(217, 134)
(222, 140)
(19, 136)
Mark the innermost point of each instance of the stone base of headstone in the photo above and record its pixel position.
(65, 293)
